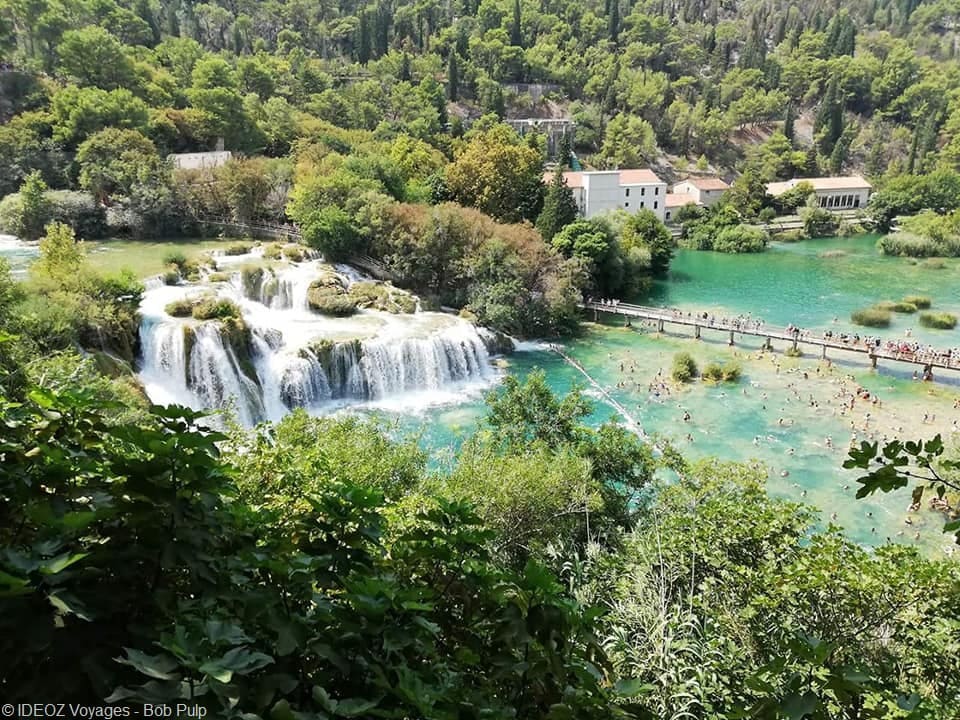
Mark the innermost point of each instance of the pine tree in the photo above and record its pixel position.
(453, 77)
(559, 207)
(516, 36)
(405, 68)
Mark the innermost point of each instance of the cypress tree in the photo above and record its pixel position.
(405, 68)
(565, 150)
(614, 19)
(559, 207)
(516, 36)
(788, 123)
(453, 77)
(363, 42)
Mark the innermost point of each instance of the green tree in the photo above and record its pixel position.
(629, 141)
(645, 229)
(559, 207)
(111, 162)
(93, 56)
(498, 174)
(453, 77)
(34, 207)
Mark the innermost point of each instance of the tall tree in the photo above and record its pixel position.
(453, 77)
(516, 34)
(613, 21)
(35, 208)
(559, 207)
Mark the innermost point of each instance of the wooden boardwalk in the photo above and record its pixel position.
(897, 351)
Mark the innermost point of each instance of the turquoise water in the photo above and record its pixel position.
(773, 414)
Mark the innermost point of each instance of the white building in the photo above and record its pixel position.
(199, 161)
(598, 192)
(833, 193)
(704, 190)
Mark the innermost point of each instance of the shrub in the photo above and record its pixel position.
(684, 367)
(920, 301)
(238, 248)
(272, 251)
(219, 277)
(793, 352)
(171, 276)
(898, 307)
(721, 372)
(179, 308)
(175, 257)
(908, 245)
(740, 239)
(213, 308)
(294, 253)
(938, 321)
(79, 210)
(871, 317)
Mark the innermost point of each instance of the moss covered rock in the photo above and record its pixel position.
(213, 308)
(328, 296)
(382, 296)
(180, 308)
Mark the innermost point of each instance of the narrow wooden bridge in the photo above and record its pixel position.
(897, 351)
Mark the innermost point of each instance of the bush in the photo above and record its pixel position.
(793, 352)
(215, 309)
(909, 245)
(175, 257)
(938, 321)
(898, 307)
(920, 301)
(725, 372)
(171, 276)
(179, 308)
(740, 239)
(79, 210)
(871, 317)
(294, 253)
(684, 368)
(238, 248)
(272, 251)
(217, 277)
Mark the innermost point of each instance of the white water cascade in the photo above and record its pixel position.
(285, 356)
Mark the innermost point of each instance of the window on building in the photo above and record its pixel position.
(654, 204)
(643, 191)
(656, 191)
(627, 192)
(642, 204)
(626, 204)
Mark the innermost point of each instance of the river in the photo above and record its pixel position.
(784, 412)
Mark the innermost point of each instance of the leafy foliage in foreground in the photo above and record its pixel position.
(131, 567)
(316, 569)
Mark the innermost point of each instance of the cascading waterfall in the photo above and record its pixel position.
(288, 356)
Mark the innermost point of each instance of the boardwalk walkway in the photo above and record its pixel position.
(875, 349)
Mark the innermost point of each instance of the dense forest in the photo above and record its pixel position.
(324, 567)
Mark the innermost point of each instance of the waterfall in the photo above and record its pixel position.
(282, 355)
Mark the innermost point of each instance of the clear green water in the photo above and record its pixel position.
(789, 283)
(804, 283)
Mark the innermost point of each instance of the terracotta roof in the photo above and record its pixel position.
(639, 177)
(853, 182)
(673, 200)
(707, 183)
(627, 177)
